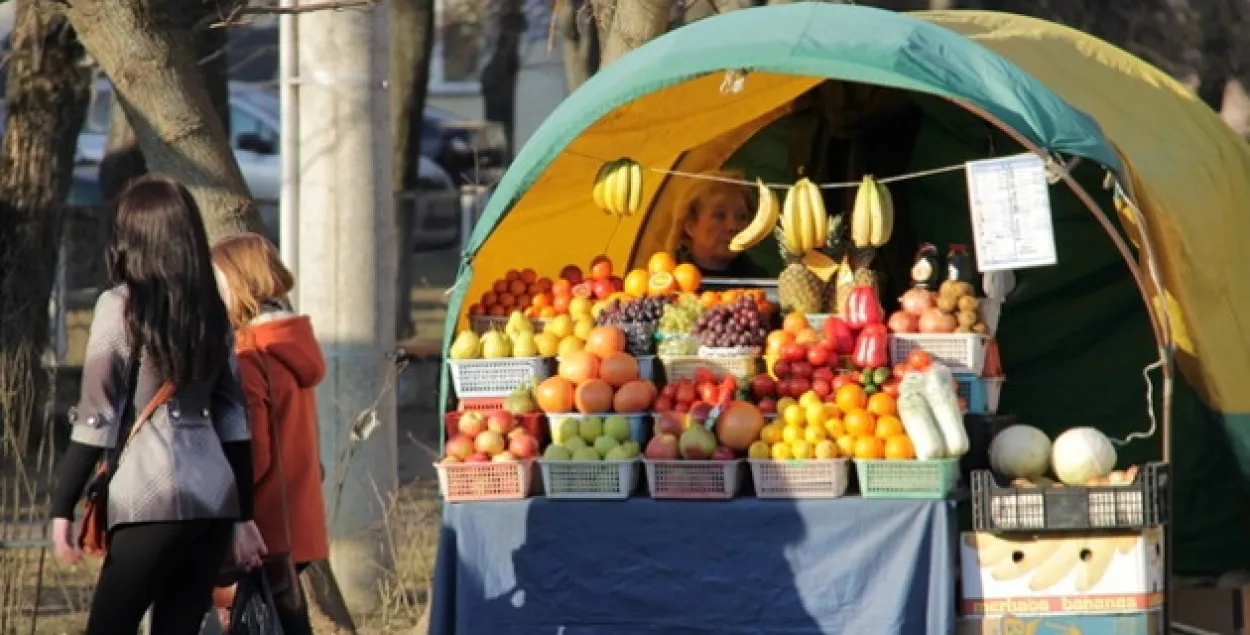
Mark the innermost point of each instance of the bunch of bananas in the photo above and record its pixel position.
(618, 187)
(804, 222)
(872, 219)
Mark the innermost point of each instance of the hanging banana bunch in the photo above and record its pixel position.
(804, 222)
(872, 218)
(766, 214)
(618, 187)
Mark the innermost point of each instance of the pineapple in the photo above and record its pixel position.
(799, 289)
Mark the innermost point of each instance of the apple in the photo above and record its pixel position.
(451, 459)
(601, 287)
(477, 457)
(802, 370)
(722, 453)
(523, 446)
(500, 421)
(489, 442)
(516, 432)
(824, 372)
(668, 422)
(818, 356)
(782, 369)
(572, 273)
(459, 447)
(617, 283)
(793, 352)
(767, 406)
(799, 385)
(471, 424)
(503, 457)
(662, 447)
(839, 381)
(663, 404)
(682, 406)
(700, 412)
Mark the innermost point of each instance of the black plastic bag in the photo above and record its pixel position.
(254, 612)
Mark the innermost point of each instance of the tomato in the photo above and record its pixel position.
(802, 370)
(793, 352)
(822, 387)
(669, 391)
(663, 404)
(818, 356)
(900, 370)
(763, 386)
(890, 387)
(919, 360)
(824, 372)
(839, 381)
(685, 393)
(782, 369)
(703, 375)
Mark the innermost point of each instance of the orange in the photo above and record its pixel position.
(635, 283)
(709, 299)
(795, 323)
(807, 335)
(546, 312)
(889, 426)
(540, 300)
(846, 445)
(882, 404)
(851, 397)
(688, 277)
(562, 288)
(859, 423)
(661, 284)
(560, 304)
(661, 262)
(730, 296)
(869, 448)
(899, 447)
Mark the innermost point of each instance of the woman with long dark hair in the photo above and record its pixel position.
(179, 488)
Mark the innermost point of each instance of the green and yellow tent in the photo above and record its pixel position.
(1143, 276)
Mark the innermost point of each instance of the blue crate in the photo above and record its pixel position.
(980, 393)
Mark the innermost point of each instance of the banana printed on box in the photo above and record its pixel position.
(1143, 623)
(1077, 573)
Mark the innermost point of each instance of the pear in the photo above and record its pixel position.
(517, 325)
(466, 346)
(495, 345)
(523, 345)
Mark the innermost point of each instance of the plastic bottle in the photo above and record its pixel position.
(958, 264)
(924, 271)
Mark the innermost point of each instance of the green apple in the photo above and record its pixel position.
(631, 449)
(604, 444)
(564, 430)
(557, 453)
(591, 428)
(617, 427)
(575, 443)
(619, 453)
(586, 454)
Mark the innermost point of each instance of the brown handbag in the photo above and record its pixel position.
(93, 534)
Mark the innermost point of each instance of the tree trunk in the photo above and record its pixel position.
(695, 11)
(46, 102)
(154, 72)
(411, 40)
(626, 25)
(579, 37)
(505, 23)
(123, 161)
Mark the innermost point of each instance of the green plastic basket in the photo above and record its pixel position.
(932, 479)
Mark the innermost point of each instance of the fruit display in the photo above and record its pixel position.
(872, 217)
(710, 298)
(591, 438)
(851, 425)
(663, 276)
(931, 411)
(484, 437)
(954, 308)
(684, 436)
(601, 378)
(739, 325)
(572, 292)
(617, 188)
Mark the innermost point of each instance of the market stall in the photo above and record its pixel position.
(890, 179)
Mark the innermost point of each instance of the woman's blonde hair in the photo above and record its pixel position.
(701, 191)
(254, 274)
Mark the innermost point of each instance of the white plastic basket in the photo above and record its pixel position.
(589, 480)
(693, 480)
(809, 478)
(474, 378)
(960, 352)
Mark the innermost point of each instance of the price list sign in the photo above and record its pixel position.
(1009, 200)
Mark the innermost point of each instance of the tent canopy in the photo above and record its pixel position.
(1062, 91)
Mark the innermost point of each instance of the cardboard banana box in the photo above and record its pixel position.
(1150, 623)
(1061, 574)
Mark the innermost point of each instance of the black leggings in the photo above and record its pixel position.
(169, 566)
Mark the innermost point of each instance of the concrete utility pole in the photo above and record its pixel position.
(346, 263)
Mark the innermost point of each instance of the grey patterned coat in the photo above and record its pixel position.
(174, 468)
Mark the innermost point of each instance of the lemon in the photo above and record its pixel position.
(815, 434)
(809, 398)
(781, 451)
(802, 450)
(834, 428)
(582, 327)
(827, 449)
(795, 415)
(580, 307)
(759, 450)
(791, 434)
(815, 414)
(771, 433)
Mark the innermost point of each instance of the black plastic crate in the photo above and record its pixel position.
(1005, 508)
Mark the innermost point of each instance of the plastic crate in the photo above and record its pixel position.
(884, 478)
(980, 393)
(811, 478)
(684, 366)
(589, 480)
(474, 378)
(637, 423)
(533, 422)
(481, 324)
(962, 353)
(693, 480)
(1004, 508)
(467, 482)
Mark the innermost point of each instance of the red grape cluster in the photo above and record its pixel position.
(739, 324)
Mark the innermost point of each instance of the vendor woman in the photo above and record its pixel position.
(709, 214)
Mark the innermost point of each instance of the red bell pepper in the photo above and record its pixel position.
(839, 334)
(872, 347)
(863, 308)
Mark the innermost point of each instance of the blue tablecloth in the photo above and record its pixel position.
(747, 566)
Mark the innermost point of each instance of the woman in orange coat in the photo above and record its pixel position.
(280, 365)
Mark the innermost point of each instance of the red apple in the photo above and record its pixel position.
(489, 443)
(503, 457)
(662, 447)
(799, 385)
(601, 287)
(572, 273)
(471, 424)
(668, 423)
(824, 372)
(459, 447)
(822, 387)
(793, 352)
(839, 381)
(700, 412)
(767, 406)
(722, 453)
(817, 356)
(523, 446)
(500, 421)
(517, 431)
(801, 370)
(783, 387)
(477, 457)
(617, 283)
(782, 369)
(682, 406)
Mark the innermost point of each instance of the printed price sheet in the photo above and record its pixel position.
(1009, 200)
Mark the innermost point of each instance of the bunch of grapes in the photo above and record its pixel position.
(732, 325)
(679, 317)
(637, 318)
